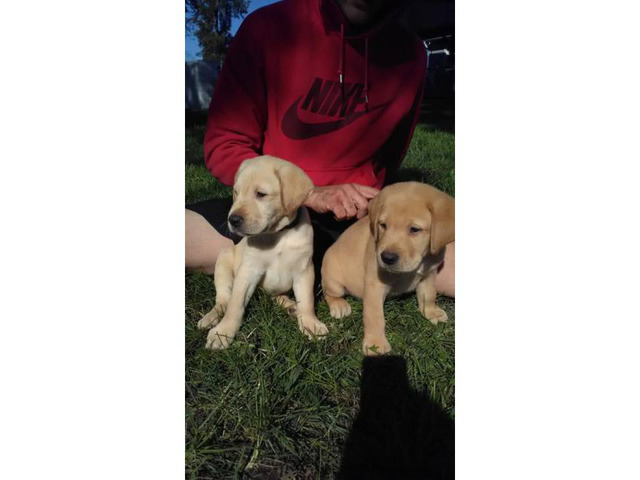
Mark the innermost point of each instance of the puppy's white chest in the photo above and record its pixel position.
(286, 260)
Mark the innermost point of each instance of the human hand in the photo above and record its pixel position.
(345, 201)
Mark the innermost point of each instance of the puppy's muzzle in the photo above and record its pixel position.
(389, 258)
(235, 220)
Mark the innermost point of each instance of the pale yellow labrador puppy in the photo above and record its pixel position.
(275, 252)
(396, 249)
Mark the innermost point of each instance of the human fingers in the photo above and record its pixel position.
(337, 203)
(368, 192)
(362, 212)
(358, 200)
(349, 206)
(339, 212)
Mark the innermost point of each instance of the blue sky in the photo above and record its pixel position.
(192, 48)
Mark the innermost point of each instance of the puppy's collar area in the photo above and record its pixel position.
(293, 223)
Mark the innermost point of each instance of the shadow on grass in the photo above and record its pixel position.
(399, 433)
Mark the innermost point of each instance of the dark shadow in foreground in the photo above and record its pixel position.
(399, 433)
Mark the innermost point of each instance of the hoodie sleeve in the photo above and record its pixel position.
(238, 110)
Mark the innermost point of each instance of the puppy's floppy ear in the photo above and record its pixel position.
(295, 187)
(443, 223)
(374, 207)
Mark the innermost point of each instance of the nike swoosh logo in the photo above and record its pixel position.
(297, 129)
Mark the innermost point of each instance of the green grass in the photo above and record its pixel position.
(276, 405)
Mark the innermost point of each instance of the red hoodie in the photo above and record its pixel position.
(297, 86)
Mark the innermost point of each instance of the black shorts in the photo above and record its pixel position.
(326, 229)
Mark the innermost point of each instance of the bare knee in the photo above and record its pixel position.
(203, 243)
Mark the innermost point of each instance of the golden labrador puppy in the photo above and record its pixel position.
(396, 249)
(275, 252)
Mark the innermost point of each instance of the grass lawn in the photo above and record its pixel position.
(276, 405)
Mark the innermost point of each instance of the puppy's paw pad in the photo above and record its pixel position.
(212, 318)
(219, 338)
(376, 346)
(435, 315)
(339, 308)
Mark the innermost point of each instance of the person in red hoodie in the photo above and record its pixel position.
(332, 86)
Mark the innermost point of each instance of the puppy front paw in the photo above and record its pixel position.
(376, 346)
(221, 336)
(312, 327)
(339, 307)
(434, 314)
(212, 318)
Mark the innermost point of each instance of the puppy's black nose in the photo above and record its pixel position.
(235, 220)
(389, 257)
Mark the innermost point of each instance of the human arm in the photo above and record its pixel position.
(238, 111)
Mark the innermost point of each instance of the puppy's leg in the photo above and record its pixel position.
(303, 290)
(244, 285)
(223, 280)
(333, 293)
(332, 289)
(375, 339)
(426, 293)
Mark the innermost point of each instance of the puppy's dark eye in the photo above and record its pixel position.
(383, 226)
(260, 194)
(415, 229)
